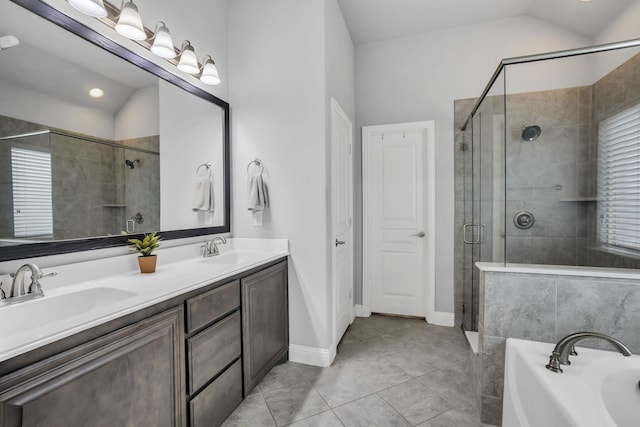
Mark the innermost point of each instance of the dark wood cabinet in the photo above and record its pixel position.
(185, 361)
(131, 377)
(265, 322)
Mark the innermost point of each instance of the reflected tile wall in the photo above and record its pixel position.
(547, 307)
(89, 196)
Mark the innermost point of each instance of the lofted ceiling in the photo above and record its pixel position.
(375, 20)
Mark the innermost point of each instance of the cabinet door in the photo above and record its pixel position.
(131, 377)
(265, 322)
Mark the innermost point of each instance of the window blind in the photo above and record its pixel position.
(619, 180)
(32, 206)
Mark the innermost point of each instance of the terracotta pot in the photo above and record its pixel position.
(147, 263)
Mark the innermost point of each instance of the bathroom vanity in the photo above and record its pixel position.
(188, 358)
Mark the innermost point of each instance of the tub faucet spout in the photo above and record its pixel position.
(565, 347)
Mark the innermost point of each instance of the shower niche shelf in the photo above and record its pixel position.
(579, 199)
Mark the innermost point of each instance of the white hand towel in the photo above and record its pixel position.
(204, 199)
(258, 198)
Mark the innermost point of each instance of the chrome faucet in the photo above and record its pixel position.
(17, 292)
(211, 248)
(566, 347)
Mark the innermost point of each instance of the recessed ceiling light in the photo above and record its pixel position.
(585, 1)
(96, 92)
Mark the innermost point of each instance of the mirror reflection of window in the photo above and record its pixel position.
(619, 180)
(32, 205)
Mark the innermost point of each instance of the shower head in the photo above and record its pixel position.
(529, 133)
(131, 164)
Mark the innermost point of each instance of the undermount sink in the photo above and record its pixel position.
(232, 258)
(32, 314)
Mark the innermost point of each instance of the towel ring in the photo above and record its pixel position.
(258, 163)
(204, 165)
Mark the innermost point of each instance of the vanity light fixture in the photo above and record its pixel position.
(162, 42)
(130, 23)
(96, 92)
(93, 8)
(209, 72)
(188, 62)
(127, 22)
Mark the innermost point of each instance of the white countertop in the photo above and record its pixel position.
(70, 303)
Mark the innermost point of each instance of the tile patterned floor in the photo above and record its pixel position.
(388, 372)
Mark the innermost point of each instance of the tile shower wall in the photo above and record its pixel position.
(546, 307)
(89, 194)
(554, 176)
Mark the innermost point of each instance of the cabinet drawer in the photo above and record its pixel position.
(216, 402)
(212, 305)
(210, 351)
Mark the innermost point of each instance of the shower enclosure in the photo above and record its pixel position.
(548, 166)
(43, 171)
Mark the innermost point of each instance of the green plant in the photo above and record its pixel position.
(147, 245)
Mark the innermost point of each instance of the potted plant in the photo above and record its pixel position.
(145, 248)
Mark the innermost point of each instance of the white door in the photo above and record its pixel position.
(395, 233)
(342, 190)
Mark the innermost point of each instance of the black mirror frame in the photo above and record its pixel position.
(31, 250)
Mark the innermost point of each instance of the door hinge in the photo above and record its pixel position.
(350, 148)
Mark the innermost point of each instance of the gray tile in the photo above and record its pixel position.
(493, 366)
(340, 385)
(520, 306)
(252, 411)
(325, 419)
(603, 305)
(453, 418)
(418, 362)
(415, 402)
(453, 385)
(281, 376)
(369, 411)
(491, 410)
(384, 345)
(294, 403)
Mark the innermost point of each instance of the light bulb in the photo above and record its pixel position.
(162, 42)
(188, 61)
(130, 23)
(209, 72)
(93, 8)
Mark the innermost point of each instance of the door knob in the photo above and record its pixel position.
(339, 242)
(419, 234)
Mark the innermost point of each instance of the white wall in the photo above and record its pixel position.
(140, 116)
(279, 92)
(418, 78)
(340, 78)
(36, 107)
(624, 27)
(191, 132)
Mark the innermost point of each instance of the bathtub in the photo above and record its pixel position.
(599, 389)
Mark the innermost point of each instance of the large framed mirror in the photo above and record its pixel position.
(75, 170)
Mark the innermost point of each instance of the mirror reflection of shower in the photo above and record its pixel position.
(131, 164)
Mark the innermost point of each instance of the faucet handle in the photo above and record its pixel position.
(42, 276)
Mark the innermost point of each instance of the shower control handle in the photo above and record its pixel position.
(419, 234)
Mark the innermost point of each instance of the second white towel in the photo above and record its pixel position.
(204, 199)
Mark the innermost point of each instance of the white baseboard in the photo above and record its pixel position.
(311, 355)
(358, 309)
(443, 318)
